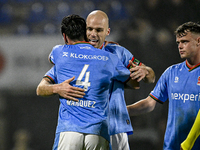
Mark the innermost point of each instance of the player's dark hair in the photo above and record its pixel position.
(187, 27)
(74, 27)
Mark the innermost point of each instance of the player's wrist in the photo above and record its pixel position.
(55, 88)
(146, 74)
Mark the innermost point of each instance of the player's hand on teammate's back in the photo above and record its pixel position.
(138, 72)
(69, 92)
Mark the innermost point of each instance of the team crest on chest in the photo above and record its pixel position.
(198, 82)
(176, 80)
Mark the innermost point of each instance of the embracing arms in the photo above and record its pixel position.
(142, 72)
(64, 89)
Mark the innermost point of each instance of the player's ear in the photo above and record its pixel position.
(198, 41)
(108, 31)
(65, 39)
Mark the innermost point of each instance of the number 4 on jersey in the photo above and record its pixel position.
(85, 83)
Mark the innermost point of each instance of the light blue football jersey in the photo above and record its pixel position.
(179, 84)
(119, 118)
(94, 70)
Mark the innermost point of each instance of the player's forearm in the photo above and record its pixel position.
(150, 77)
(193, 134)
(45, 88)
(141, 107)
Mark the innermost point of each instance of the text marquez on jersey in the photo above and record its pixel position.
(82, 103)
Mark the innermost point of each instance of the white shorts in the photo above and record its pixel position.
(119, 141)
(79, 141)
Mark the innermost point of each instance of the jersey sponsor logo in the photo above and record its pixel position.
(83, 56)
(65, 54)
(82, 103)
(198, 82)
(185, 97)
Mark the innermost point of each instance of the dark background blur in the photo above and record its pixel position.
(30, 28)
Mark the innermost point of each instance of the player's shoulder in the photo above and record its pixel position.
(112, 44)
(175, 67)
(58, 46)
(114, 47)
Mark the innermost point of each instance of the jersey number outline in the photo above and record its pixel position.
(86, 82)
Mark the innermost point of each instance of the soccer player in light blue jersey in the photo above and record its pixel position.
(83, 124)
(120, 124)
(180, 84)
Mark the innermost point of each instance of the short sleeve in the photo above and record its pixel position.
(51, 74)
(52, 55)
(160, 91)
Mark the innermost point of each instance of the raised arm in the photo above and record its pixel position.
(64, 89)
(141, 107)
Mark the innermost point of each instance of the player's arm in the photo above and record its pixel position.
(142, 72)
(138, 73)
(141, 107)
(64, 89)
(193, 134)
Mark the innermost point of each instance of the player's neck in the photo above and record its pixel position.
(69, 41)
(72, 42)
(193, 62)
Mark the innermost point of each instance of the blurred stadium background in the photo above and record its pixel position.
(30, 28)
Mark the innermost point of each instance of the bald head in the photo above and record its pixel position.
(99, 15)
(97, 28)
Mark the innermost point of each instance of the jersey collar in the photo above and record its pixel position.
(81, 42)
(102, 46)
(191, 68)
(105, 43)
